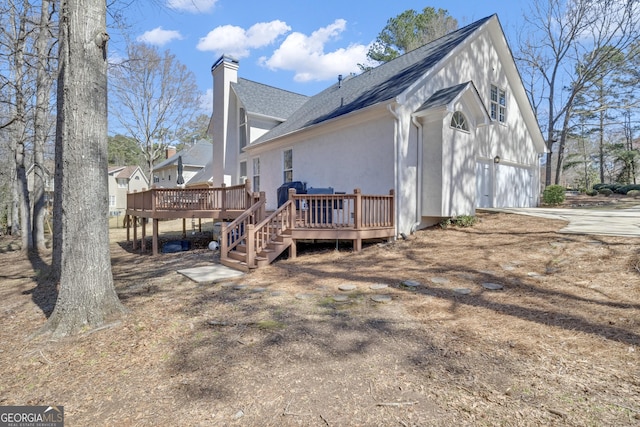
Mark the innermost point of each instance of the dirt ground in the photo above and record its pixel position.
(559, 344)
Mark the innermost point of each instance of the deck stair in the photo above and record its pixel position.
(249, 242)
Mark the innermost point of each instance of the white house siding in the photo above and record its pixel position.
(353, 154)
(480, 62)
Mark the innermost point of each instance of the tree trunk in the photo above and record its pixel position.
(43, 88)
(87, 296)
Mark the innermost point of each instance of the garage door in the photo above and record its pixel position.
(514, 187)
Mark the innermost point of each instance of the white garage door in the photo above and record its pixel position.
(514, 187)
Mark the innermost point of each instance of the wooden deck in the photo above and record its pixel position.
(222, 203)
(250, 236)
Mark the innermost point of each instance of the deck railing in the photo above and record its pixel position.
(355, 211)
(224, 198)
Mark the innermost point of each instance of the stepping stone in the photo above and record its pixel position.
(410, 283)
(304, 296)
(239, 287)
(347, 287)
(462, 291)
(378, 286)
(258, 290)
(507, 267)
(383, 299)
(340, 298)
(277, 293)
(492, 286)
(439, 280)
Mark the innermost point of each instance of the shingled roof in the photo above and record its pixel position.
(267, 100)
(374, 86)
(195, 155)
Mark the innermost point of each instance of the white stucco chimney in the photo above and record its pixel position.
(224, 72)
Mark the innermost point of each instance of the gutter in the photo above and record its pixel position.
(418, 125)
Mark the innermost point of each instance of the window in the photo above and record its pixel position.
(288, 165)
(256, 174)
(498, 104)
(112, 200)
(122, 183)
(459, 121)
(242, 131)
(243, 172)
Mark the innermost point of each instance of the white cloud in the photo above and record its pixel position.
(305, 55)
(159, 37)
(193, 6)
(205, 101)
(237, 42)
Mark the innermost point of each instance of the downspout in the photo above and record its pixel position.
(419, 162)
(396, 170)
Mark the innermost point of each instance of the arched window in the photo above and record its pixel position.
(459, 121)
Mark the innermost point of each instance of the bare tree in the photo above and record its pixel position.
(155, 95)
(87, 296)
(565, 45)
(44, 42)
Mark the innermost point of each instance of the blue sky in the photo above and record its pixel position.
(301, 46)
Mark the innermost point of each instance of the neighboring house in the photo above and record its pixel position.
(123, 180)
(194, 158)
(447, 126)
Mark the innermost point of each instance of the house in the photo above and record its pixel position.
(448, 127)
(122, 180)
(194, 158)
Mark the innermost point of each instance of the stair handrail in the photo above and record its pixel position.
(240, 228)
(268, 229)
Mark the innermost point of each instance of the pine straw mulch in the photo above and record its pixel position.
(558, 345)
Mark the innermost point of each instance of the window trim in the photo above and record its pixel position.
(498, 106)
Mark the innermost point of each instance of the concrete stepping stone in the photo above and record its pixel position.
(492, 286)
(258, 290)
(462, 291)
(340, 298)
(440, 280)
(304, 296)
(278, 293)
(382, 299)
(239, 287)
(378, 286)
(507, 267)
(410, 283)
(347, 287)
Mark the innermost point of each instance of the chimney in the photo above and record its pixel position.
(170, 152)
(339, 80)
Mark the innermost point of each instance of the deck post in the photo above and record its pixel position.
(357, 219)
(143, 243)
(293, 250)
(251, 245)
(154, 243)
(223, 200)
(127, 221)
(184, 228)
(224, 239)
(292, 218)
(248, 194)
(135, 233)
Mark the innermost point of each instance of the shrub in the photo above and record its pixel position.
(464, 220)
(633, 193)
(592, 192)
(624, 189)
(553, 195)
(605, 191)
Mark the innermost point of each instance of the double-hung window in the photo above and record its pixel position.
(498, 104)
(242, 130)
(256, 174)
(288, 165)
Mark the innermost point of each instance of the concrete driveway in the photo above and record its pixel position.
(614, 222)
